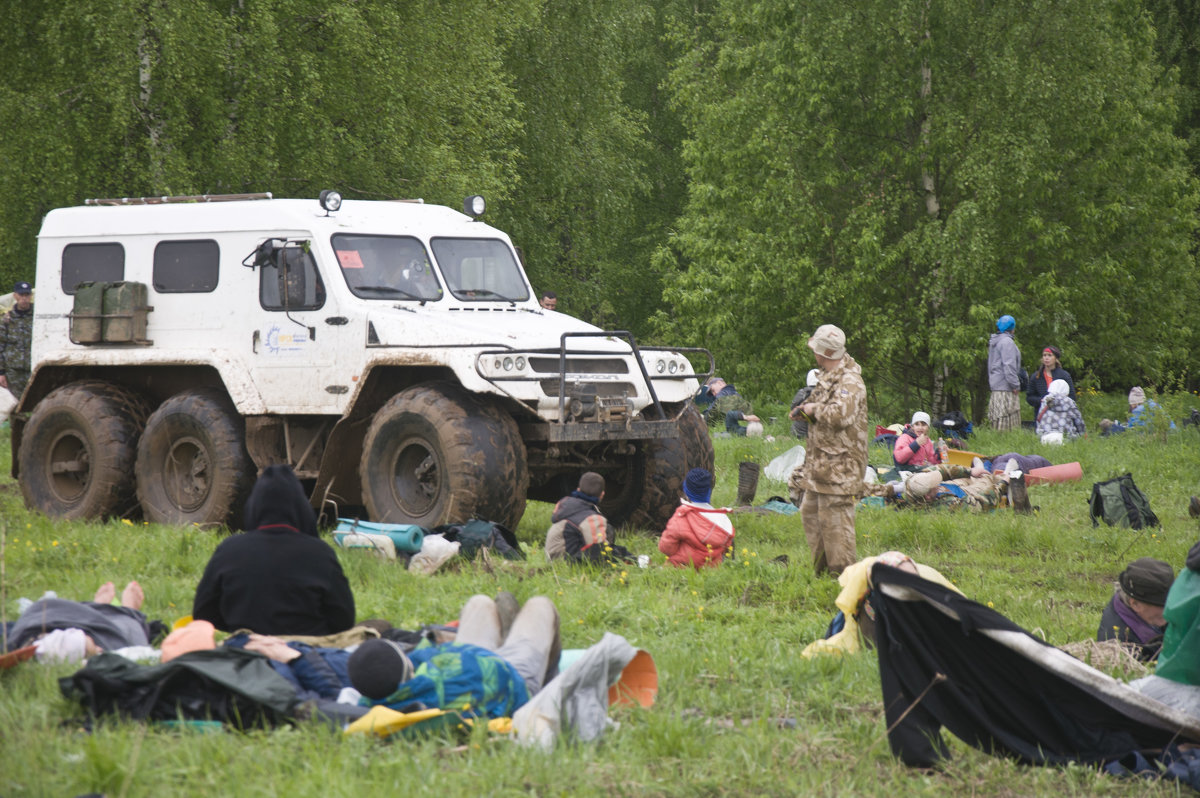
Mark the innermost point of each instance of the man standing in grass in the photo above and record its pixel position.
(16, 336)
(837, 453)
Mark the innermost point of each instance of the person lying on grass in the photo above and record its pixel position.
(70, 631)
(698, 534)
(483, 672)
(951, 487)
(854, 623)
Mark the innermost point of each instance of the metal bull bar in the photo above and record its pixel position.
(563, 426)
(637, 356)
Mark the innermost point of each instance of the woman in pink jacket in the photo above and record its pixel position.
(914, 447)
(698, 534)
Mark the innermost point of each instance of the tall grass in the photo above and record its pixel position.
(738, 711)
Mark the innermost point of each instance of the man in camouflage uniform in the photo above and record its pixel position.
(950, 487)
(16, 335)
(836, 459)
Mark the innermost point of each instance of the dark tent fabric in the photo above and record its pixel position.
(1002, 690)
(227, 684)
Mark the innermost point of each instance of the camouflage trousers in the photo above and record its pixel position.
(1004, 411)
(829, 528)
(17, 381)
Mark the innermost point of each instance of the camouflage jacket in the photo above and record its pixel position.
(837, 440)
(16, 335)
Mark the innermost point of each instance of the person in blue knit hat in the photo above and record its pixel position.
(698, 534)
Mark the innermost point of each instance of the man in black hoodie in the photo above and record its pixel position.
(278, 578)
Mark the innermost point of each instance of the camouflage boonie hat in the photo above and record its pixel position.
(828, 341)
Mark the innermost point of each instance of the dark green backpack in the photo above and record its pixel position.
(1118, 502)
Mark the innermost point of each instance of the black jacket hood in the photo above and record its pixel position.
(278, 498)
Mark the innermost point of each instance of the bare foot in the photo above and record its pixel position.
(132, 596)
(105, 593)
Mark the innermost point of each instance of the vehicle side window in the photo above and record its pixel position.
(292, 282)
(186, 266)
(82, 263)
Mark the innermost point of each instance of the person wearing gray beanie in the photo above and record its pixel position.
(1135, 613)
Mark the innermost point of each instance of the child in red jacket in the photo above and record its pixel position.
(698, 534)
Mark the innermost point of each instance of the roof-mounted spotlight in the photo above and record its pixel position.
(330, 200)
(474, 206)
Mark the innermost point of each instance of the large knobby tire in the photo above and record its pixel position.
(192, 464)
(435, 454)
(78, 448)
(645, 497)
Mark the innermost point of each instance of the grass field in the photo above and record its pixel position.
(738, 713)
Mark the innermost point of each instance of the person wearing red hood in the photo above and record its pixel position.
(278, 578)
(698, 534)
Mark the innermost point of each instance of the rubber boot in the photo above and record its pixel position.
(747, 483)
(1018, 496)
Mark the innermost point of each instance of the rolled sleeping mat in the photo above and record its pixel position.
(1066, 472)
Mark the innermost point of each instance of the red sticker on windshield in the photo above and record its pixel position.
(349, 259)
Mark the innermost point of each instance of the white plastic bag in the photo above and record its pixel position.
(782, 466)
(435, 551)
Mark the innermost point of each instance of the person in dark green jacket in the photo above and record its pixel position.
(1176, 680)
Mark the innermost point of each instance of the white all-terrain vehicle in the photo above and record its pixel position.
(391, 352)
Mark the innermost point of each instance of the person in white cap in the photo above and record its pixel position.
(914, 448)
(837, 453)
(1058, 414)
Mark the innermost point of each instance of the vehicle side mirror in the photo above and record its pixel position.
(263, 255)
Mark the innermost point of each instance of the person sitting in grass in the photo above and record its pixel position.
(70, 631)
(698, 534)
(279, 578)
(914, 448)
(578, 530)
(1134, 615)
(484, 672)
(1176, 679)
(1140, 410)
(1059, 415)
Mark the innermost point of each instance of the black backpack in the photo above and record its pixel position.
(954, 423)
(476, 534)
(1119, 502)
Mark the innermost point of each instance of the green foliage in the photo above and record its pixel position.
(291, 96)
(1037, 176)
(584, 216)
(726, 642)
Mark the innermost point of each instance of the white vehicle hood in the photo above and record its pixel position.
(487, 326)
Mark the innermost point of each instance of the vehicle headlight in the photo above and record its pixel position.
(673, 367)
(497, 364)
(330, 200)
(508, 364)
(520, 364)
(660, 366)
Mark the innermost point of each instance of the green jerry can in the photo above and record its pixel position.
(124, 312)
(85, 315)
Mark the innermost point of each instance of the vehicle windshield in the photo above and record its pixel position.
(480, 269)
(386, 267)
